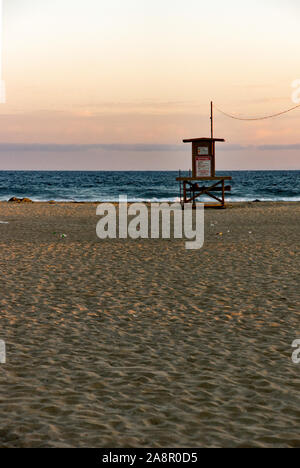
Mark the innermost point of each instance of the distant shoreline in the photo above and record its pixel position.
(229, 204)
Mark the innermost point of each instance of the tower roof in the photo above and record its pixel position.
(192, 140)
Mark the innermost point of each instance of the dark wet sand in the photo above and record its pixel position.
(124, 343)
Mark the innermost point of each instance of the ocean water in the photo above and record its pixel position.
(140, 186)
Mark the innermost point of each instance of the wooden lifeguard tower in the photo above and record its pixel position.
(202, 180)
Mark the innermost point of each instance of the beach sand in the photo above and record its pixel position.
(142, 343)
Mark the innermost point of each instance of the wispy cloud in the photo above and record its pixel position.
(279, 147)
(291, 147)
(88, 147)
(139, 147)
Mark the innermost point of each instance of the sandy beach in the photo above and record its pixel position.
(141, 343)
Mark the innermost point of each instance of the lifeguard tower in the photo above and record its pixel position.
(202, 180)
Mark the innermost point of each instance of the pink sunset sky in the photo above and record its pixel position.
(117, 85)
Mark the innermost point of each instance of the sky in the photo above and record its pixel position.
(117, 85)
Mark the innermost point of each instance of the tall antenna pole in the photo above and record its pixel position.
(212, 118)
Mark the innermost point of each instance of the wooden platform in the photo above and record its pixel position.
(190, 191)
(190, 179)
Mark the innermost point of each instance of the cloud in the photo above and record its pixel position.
(139, 147)
(36, 147)
(279, 147)
(291, 147)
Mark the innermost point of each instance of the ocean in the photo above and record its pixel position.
(140, 186)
